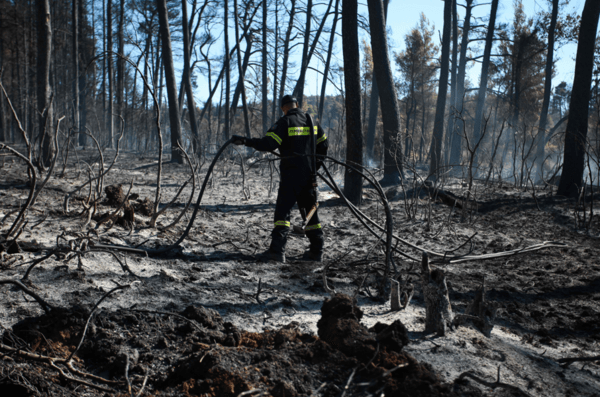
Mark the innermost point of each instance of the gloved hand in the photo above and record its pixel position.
(238, 140)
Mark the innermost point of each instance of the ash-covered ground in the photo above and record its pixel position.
(210, 319)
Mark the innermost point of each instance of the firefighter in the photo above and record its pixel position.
(292, 136)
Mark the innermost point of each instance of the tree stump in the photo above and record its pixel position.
(437, 303)
(480, 312)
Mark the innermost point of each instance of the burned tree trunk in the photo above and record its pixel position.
(480, 312)
(437, 303)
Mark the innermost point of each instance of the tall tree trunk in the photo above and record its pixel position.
(485, 66)
(242, 69)
(354, 143)
(44, 107)
(3, 132)
(390, 111)
(265, 100)
(83, 89)
(577, 124)
(75, 36)
(120, 60)
(188, 79)
(275, 63)
(226, 132)
(167, 53)
(286, 49)
(453, 78)
(299, 89)
(540, 152)
(328, 61)
(457, 134)
(437, 139)
(109, 45)
(374, 106)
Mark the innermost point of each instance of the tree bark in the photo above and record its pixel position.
(109, 45)
(577, 124)
(440, 109)
(453, 78)
(457, 133)
(75, 36)
(354, 143)
(328, 61)
(226, 131)
(45, 108)
(83, 89)
(242, 71)
(392, 161)
(485, 67)
(374, 105)
(120, 61)
(286, 49)
(187, 73)
(167, 54)
(540, 152)
(265, 101)
(299, 89)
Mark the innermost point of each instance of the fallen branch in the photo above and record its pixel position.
(45, 305)
(569, 360)
(492, 385)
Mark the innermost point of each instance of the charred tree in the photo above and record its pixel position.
(167, 55)
(440, 109)
(392, 161)
(577, 124)
(438, 310)
(44, 105)
(188, 79)
(109, 60)
(485, 67)
(539, 160)
(374, 105)
(354, 143)
(75, 43)
(458, 130)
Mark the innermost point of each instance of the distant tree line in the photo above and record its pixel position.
(112, 66)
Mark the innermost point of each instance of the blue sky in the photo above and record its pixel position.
(403, 15)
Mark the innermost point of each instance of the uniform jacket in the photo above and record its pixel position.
(291, 135)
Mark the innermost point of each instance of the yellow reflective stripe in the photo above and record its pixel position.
(321, 139)
(313, 227)
(274, 136)
(282, 223)
(300, 131)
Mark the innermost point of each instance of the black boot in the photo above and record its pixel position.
(270, 255)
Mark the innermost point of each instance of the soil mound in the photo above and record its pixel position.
(196, 353)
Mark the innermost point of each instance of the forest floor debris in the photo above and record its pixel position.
(548, 300)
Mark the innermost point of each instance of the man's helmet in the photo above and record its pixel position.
(288, 99)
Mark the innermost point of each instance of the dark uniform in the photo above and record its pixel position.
(291, 135)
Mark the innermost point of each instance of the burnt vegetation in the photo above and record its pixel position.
(462, 248)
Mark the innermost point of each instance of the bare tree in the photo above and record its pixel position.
(392, 161)
(440, 109)
(188, 79)
(167, 53)
(577, 124)
(485, 67)
(354, 143)
(45, 110)
(547, 90)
